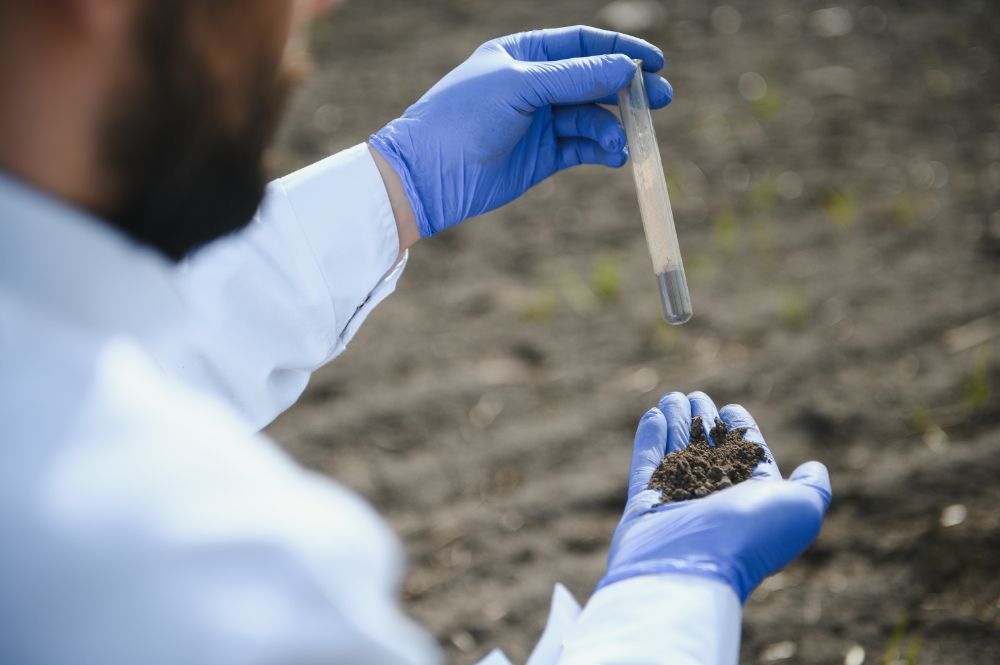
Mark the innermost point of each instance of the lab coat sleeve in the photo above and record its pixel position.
(668, 619)
(271, 304)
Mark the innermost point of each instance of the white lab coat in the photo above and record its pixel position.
(144, 517)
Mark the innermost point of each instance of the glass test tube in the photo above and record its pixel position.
(654, 202)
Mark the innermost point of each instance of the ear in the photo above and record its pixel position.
(96, 18)
(317, 7)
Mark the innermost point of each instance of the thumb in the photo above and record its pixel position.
(814, 476)
(647, 451)
(578, 80)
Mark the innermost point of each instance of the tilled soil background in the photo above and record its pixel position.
(836, 177)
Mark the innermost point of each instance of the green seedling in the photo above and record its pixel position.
(725, 230)
(606, 279)
(894, 650)
(913, 652)
(841, 209)
(902, 212)
(979, 387)
(894, 647)
(794, 311)
(577, 292)
(921, 418)
(541, 306)
(763, 195)
(769, 106)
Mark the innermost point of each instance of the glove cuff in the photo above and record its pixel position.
(389, 151)
(707, 569)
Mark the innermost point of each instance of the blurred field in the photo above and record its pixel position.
(835, 170)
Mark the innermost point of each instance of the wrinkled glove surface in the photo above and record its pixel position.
(521, 108)
(738, 535)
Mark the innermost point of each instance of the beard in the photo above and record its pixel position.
(184, 148)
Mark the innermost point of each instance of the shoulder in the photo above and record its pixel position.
(103, 449)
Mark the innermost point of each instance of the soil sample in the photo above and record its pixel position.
(702, 468)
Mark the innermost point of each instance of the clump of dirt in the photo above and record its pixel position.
(702, 468)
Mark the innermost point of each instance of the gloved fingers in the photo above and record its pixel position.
(647, 450)
(815, 476)
(589, 121)
(677, 409)
(658, 91)
(735, 416)
(702, 405)
(579, 42)
(576, 151)
(640, 504)
(576, 81)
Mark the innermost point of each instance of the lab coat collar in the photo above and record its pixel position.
(77, 267)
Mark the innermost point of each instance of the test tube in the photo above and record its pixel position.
(654, 201)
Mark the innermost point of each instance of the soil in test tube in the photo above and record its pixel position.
(674, 296)
(701, 468)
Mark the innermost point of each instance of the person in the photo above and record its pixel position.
(159, 305)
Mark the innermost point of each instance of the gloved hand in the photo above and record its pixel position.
(738, 535)
(520, 109)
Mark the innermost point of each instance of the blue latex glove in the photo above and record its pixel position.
(520, 109)
(738, 535)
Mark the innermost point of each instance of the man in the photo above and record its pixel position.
(148, 331)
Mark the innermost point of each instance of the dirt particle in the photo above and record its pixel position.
(702, 468)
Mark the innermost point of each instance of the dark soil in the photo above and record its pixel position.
(841, 238)
(707, 464)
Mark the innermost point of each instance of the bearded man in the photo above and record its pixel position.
(160, 303)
